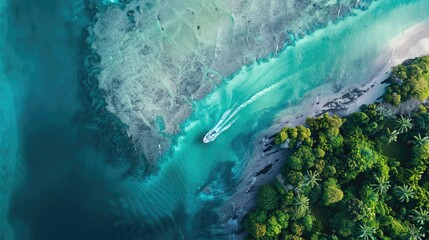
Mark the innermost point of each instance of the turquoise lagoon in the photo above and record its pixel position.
(64, 190)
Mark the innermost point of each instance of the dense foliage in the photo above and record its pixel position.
(409, 80)
(364, 176)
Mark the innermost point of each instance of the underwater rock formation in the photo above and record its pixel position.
(156, 57)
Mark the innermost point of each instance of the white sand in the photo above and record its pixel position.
(413, 42)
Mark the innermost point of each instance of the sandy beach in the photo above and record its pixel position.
(268, 159)
(412, 43)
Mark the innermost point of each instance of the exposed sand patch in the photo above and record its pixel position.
(412, 43)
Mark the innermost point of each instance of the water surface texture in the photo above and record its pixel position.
(157, 57)
(56, 183)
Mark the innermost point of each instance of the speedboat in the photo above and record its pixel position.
(218, 128)
(210, 136)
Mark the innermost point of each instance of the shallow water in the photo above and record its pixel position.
(62, 187)
(344, 53)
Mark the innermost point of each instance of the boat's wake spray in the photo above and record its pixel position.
(228, 119)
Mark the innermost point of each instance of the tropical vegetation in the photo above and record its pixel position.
(363, 176)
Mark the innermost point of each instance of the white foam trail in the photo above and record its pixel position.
(225, 121)
(227, 126)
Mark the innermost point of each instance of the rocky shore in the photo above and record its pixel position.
(268, 158)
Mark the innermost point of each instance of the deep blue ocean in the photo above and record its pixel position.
(57, 178)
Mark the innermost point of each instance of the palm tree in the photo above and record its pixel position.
(404, 193)
(420, 141)
(381, 186)
(312, 178)
(403, 124)
(415, 233)
(366, 232)
(415, 174)
(392, 135)
(302, 204)
(420, 216)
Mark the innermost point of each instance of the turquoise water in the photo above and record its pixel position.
(8, 142)
(64, 189)
(343, 53)
(8, 157)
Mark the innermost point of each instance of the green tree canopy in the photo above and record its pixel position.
(331, 192)
(325, 124)
(409, 81)
(344, 180)
(268, 198)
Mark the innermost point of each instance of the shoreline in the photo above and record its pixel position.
(268, 158)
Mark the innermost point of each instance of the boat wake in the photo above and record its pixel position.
(228, 118)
